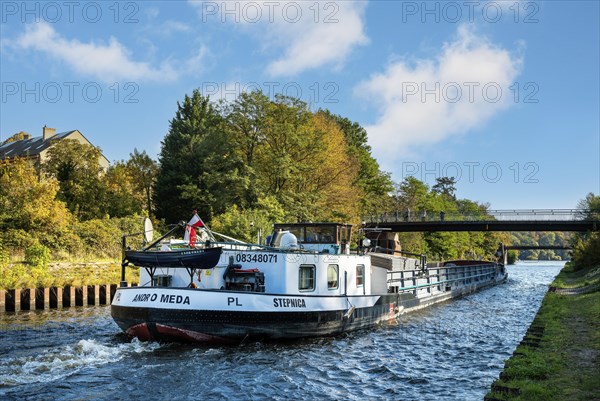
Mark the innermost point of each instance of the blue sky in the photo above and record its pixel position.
(502, 95)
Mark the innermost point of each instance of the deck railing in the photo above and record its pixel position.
(451, 274)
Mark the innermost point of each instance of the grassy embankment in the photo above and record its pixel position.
(19, 274)
(559, 357)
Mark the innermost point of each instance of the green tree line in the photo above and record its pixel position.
(414, 196)
(69, 205)
(558, 238)
(242, 165)
(260, 160)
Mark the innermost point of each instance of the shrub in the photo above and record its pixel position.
(13, 276)
(17, 239)
(37, 255)
(3, 254)
(512, 257)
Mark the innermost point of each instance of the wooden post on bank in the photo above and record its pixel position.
(27, 299)
(13, 300)
(93, 295)
(80, 296)
(42, 298)
(68, 296)
(55, 301)
(103, 295)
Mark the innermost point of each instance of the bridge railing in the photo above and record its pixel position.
(489, 215)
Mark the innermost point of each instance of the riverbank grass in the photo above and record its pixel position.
(559, 358)
(21, 275)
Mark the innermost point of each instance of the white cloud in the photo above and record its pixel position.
(302, 35)
(430, 100)
(323, 43)
(171, 26)
(107, 62)
(197, 63)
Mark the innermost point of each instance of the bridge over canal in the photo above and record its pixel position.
(492, 220)
(537, 247)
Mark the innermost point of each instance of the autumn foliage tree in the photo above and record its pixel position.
(303, 161)
(142, 169)
(77, 169)
(375, 185)
(217, 156)
(29, 204)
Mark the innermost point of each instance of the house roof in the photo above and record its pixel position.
(29, 147)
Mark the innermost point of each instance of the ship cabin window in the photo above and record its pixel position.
(320, 234)
(333, 277)
(298, 232)
(306, 276)
(346, 233)
(360, 275)
(316, 233)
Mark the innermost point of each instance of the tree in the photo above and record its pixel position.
(244, 224)
(586, 246)
(28, 203)
(305, 164)
(143, 170)
(245, 121)
(375, 184)
(445, 186)
(197, 166)
(122, 196)
(413, 195)
(76, 167)
(19, 136)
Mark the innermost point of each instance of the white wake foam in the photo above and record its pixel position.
(57, 363)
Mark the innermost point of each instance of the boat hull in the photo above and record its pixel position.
(216, 316)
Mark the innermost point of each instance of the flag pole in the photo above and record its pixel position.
(210, 234)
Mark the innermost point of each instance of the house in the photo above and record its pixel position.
(37, 148)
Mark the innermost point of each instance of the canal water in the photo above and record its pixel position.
(452, 351)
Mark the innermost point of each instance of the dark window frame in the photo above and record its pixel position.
(312, 278)
(361, 269)
(337, 281)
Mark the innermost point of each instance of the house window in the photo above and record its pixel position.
(333, 275)
(360, 275)
(306, 280)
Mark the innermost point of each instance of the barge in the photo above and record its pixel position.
(304, 283)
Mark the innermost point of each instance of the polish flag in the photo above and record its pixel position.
(190, 229)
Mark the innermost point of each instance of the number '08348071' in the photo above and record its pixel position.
(256, 258)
